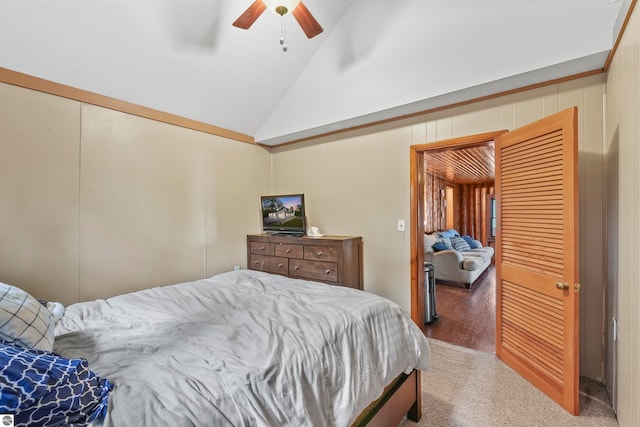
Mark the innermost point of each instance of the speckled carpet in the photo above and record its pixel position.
(468, 388)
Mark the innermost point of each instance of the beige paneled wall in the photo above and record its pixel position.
(39, 158)
(358, 184)
(97, 202)
(236, 175)
(622, 154)
(141, 203)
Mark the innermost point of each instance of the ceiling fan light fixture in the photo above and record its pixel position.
(305, 19)
(281, 7)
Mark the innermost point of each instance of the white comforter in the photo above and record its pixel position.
(243, 348)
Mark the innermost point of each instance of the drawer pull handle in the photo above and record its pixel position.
(297, 267)
(288, 251)
(327, 271)
(256, 262)
(280, 265)
(261, 248)
(319, 253)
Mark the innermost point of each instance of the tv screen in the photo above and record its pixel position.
(283, 214)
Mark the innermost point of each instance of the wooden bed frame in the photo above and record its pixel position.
(402, 396)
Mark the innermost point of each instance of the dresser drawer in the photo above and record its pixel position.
(269, 264)
(289, 251)
(336, 260)
(262, 248)
(321, 253)
(314, 270)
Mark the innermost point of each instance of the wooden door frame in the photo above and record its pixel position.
(416, 170)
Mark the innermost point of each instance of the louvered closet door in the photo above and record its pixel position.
(537, 255)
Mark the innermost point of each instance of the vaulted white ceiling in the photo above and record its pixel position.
(375, 59)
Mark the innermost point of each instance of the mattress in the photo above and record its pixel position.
(243, 348)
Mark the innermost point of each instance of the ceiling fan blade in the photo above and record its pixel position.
(307, 22)
(250, 15)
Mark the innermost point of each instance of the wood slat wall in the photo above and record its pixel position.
(434, 210)
(471, 210)
(468, 204)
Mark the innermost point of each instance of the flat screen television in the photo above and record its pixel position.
(283, 214)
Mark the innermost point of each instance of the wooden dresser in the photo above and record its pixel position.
(336, 260)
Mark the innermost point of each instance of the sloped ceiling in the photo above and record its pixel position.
(375, 59)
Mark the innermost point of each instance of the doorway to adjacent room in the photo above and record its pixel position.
(458, 194)
(537, 289)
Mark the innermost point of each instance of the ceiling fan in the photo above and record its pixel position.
(307, 22)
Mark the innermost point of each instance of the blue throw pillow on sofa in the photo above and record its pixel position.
(44, 389)
(448, 233)
(473, 244)
(440, 246)
(460, 244)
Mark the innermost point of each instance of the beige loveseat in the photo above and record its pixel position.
(462, 265)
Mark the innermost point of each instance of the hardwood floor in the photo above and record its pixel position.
(467, 316)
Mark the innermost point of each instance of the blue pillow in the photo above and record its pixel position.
(440, 246)
(448, 233)
(460, 244)
(42, 388)
(473, 244)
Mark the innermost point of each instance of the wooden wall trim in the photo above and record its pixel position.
(46, 86)
(416, 179)
(607, 62)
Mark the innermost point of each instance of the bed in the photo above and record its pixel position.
(248, 348)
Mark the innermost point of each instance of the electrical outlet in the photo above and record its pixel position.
(236, 267)
(401, 225)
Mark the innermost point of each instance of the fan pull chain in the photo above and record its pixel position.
(283, 34)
